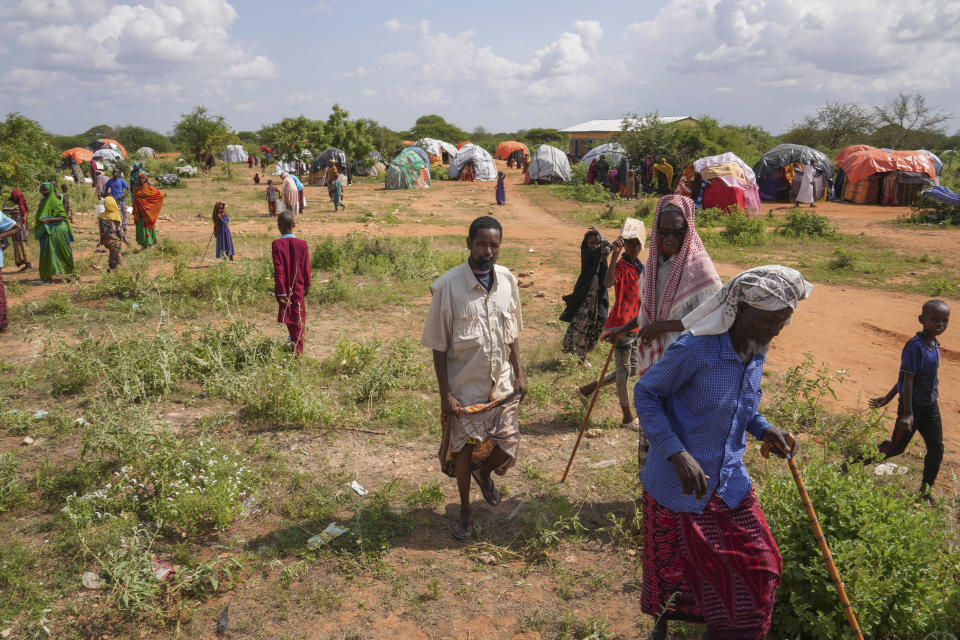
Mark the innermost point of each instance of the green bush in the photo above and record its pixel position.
(404, 259)
(277, 395)
(741, 230)
(438, 172)
(894, 559)
(11, 487)
(929, 211)
(806, 224)
(842, 260)
(710, 217)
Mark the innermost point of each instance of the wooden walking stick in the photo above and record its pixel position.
(212, 233)
(818, 534)
(586, 418)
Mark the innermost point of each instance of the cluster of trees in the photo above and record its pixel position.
(132, 137)
(434, 126)
(905, 122)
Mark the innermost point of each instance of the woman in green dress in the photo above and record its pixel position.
(52, 229)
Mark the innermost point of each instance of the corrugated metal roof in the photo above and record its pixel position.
(610, 126)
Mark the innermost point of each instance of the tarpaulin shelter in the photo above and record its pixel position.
(108, 143)
(265, 148)
(318, 168)
(507, 148)
(775, 169)
(423, 154)
(883, 176)
(463, 144)
(549, 164)
(301, 162)
(373, 166)
(409, 170)
(108, 155)
(234, 153)
(721, 181)
(79, 154)
(146, 152)
(937, 162)
(612, 150)
(436, 148)
(484, 168)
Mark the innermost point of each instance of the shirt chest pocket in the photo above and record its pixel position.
(467, 335)
(508, 327)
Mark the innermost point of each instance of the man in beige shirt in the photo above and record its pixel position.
(473, 327)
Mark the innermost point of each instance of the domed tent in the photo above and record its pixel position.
(374, 166)
(108, 155)
(867, 175)
(291, 166)
(484, 168)
(436, 149)
(79, 154)
(512, 148)
(108, 143)
(612, 150)
(721, 181)
(549, 165)
(775, 170)
(463, 144)
(146, 152)
(234, 153)
(318, 168)
(409, 170)
(423, 154)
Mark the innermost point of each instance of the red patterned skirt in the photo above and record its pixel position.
(721, 567)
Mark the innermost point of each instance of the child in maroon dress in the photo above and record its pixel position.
(291, 278)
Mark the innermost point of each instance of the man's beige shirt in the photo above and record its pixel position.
(475, 329)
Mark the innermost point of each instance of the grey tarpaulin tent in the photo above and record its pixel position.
(549, 164)
(484, 168)
(614, 149)
(767, 168)
(322, 161)
(146, 152)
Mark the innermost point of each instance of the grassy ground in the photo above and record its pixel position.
(169, 425)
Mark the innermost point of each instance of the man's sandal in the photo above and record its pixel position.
(462, 529)
(490, 493)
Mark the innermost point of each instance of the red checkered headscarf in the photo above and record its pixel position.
(17, 196)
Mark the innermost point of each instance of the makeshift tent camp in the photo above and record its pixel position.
(146, 152)
(108, 155)
(234, 153)
(409, 170)
(436, 148)
(374, 166)
(107, 143)
(549, 164)
(775, 170)
(79, 154)
(484, 168)
(882, 176)
(612, 150)
(506, 149)
(721, 181)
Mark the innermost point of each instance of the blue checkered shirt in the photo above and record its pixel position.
(701, 398)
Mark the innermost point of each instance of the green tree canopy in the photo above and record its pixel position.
(387, 142)
(133, 137)
(26, 153)
(433, 126)
(642, 135)
(349, 136)
(290, 137)
(202, 134)
(99, 131)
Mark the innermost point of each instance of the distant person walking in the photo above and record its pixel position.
(52, 230)
(663, 171)
(221, 229)
(250, 161)
(16, 208)
(118, 188)
(110, 235)
(336, 189)
(271, 198)
(803, 184)
(147, 202)
(501, 189)
(291, 197)
(8, 228)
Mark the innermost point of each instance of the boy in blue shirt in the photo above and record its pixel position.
(917, 409)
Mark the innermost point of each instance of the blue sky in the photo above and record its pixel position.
(501, 65)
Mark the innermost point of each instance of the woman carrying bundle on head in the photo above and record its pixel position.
(147, 202)
(221, 229)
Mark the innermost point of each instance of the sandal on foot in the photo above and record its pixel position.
(462, 529)
(490, 493)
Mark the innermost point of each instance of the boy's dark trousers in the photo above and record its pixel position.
(926, 421)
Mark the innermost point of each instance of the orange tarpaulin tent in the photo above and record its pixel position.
(861, 161)
(504, 149)
(463, 144)
(79, 154)
(119, 146)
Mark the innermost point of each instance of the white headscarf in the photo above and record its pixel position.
(770, 288)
